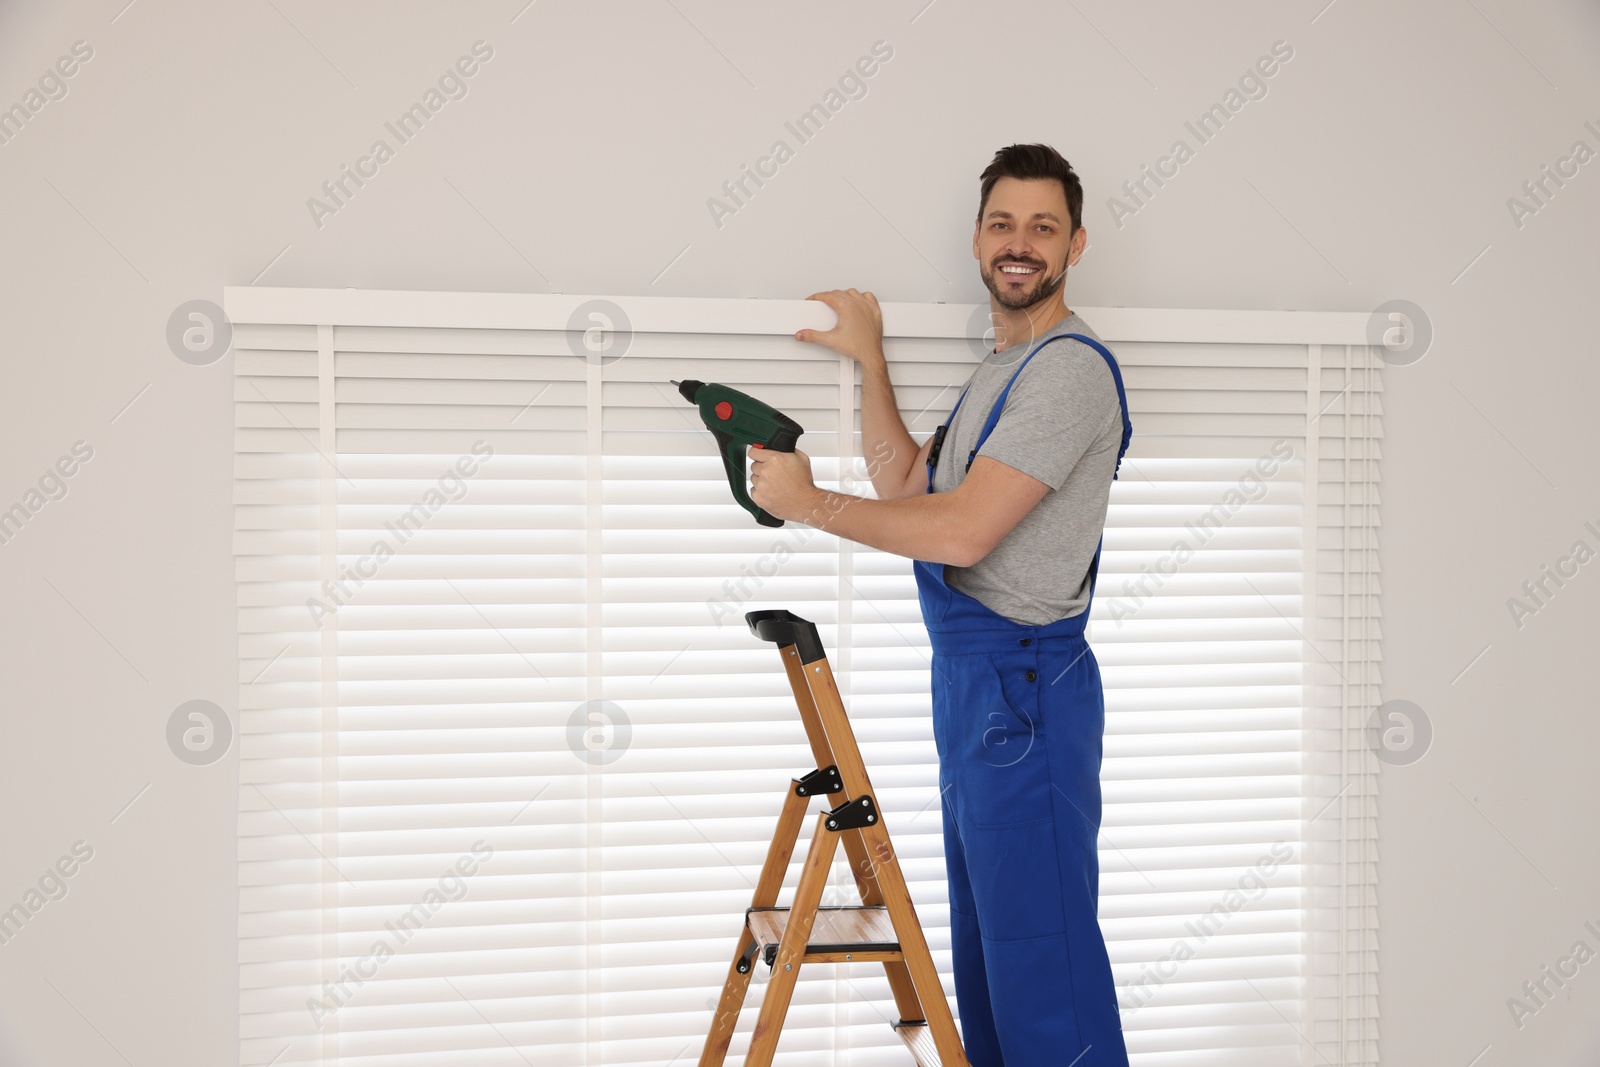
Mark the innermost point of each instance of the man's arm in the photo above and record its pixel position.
(883, 432)
(858, 335)
(959, 527)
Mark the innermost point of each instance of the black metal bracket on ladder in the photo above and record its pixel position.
(853, 814)
(820, 782)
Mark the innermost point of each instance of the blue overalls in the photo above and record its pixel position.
(1018, 720)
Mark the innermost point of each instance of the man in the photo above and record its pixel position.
(1004, 519)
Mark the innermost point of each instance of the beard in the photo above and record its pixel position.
(1023, 296)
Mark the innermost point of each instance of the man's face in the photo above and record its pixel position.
(1023, 241)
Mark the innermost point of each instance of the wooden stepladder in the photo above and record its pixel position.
(883, 928)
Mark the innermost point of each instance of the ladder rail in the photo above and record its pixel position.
(861, 865)
(897, 896)
(786, 967)
(790, 820)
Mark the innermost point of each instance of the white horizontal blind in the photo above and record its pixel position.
(453, 850)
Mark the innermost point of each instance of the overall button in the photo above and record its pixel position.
(1026, 641)
(1030, 676)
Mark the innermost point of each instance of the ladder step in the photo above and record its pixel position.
(919, 1040)
(863, 932)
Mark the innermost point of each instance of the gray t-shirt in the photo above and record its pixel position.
(1061, 424)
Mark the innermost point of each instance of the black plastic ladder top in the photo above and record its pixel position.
(783, 627)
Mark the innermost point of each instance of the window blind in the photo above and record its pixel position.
(510, 759)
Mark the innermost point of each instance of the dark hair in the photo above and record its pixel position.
(1034, 161)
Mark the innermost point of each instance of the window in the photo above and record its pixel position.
(510, 759)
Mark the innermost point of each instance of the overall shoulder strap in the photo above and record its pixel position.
(1122, 396)
(1116, 376)
(1000, 402)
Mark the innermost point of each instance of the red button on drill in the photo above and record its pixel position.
(724, 410)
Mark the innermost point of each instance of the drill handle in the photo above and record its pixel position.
(733, 462)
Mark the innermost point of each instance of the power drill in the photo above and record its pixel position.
(738, 420)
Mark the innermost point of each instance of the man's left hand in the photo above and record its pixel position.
(780, 483)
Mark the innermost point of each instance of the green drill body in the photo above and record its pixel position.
(737, 421)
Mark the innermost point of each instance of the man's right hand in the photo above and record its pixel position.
(858, 334)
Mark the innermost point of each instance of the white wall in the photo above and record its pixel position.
(1378, 166)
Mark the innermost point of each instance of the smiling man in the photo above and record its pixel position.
(1003, 510)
